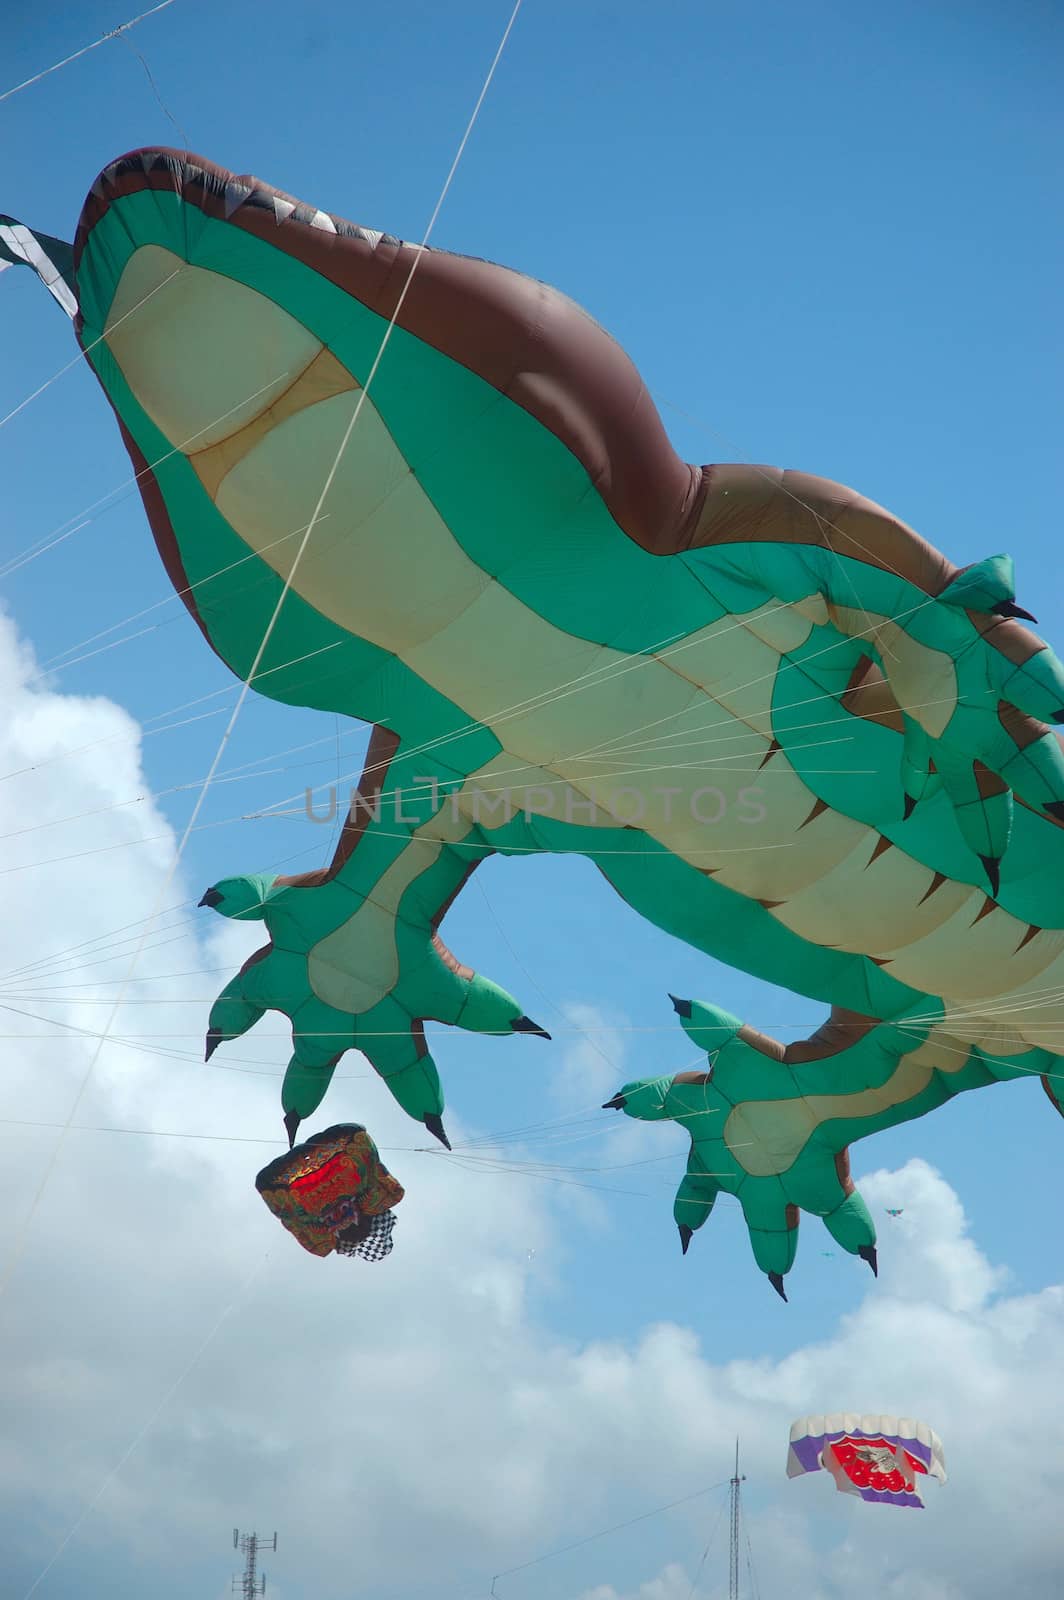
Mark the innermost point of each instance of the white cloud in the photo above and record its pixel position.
(672, 1583)
(595, 1060)
(947, 1269)
(415, 1427)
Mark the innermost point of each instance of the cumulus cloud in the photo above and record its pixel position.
(415, 1427)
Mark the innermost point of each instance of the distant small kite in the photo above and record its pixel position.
(876, 1457)
(895, 1211)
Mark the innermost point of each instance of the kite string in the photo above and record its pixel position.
(705, 1553)
(755, 1590)
(417, 258)
(104, 38)
(83, 352)
(617, 1527)
(163, 107)
(583, 1032)
(362, 395)
(245, 687)
(63, 530)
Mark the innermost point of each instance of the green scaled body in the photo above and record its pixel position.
(787, 730)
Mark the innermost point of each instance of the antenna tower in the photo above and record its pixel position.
(733, 1544)
(252, 1583)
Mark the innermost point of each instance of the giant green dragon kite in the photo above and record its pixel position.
(431, 493)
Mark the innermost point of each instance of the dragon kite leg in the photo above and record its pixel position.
(355, 960)
(772, 1124)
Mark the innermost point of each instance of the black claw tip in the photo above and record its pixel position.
(434, 1124)
(211, 898)
(867, 1252)
(681, 1007)
(214, 1039)
(1058, 716)
(1009, 608)
(776, 1280)
(291, 1123)
(526, 1025)
(618, 1103)
(908, 808)
(686, 1235)
(1055, 809)
(992, 866)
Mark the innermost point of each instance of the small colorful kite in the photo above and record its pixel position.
(878, 1458)
(334, 1193)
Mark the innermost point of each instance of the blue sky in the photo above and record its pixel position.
(829, 236)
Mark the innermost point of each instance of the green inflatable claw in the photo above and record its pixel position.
(772, 1124)
(422, 981)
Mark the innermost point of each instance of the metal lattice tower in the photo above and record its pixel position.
(733, 1543)
(252, 1583)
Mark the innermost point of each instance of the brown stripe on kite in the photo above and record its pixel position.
(987, 783)
(883, 844)
(455, 892)
(1021, 729)
(770, 505)
(842, 1170)
(1016, 643)
(1032, 933)
(937, 881)
(762, 1042)
(324, 378)
(523, 338)
(162, 528)
(842, 1029)
(383, 744)
(534, 345)
(255, 957)
(450, 960)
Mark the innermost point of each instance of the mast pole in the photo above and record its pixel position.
(733, 1544)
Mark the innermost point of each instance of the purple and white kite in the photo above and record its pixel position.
(878, 1458)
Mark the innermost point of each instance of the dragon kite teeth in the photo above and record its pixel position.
(786, 729)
